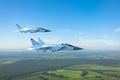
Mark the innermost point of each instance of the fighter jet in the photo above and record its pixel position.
(41, 46)
(26, 30)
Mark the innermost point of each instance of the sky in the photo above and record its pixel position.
(90, 24)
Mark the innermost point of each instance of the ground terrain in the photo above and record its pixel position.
(82, 65)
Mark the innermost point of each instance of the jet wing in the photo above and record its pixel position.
(39, 30)
(43, 30)
(62, 48)
(45, 47)
(74, 47)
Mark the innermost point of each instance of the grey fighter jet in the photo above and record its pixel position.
(30, 30)
(41, 46)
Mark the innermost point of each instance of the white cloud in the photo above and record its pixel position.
(117, 30)
(98, 44)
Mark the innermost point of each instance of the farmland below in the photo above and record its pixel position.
(82, 65)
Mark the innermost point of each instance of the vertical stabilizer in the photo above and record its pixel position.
(40, 42)
(19, 27)
(34, 43)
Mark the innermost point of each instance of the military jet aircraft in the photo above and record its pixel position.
(30, 30)
(41, 46)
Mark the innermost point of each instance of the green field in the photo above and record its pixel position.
(60, 67)
(93, 67)
(71, 74)
(77, 72)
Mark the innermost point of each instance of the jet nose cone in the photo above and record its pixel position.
(47, 30)
(78, 48)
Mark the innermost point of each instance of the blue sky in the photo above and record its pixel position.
(91, 24)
